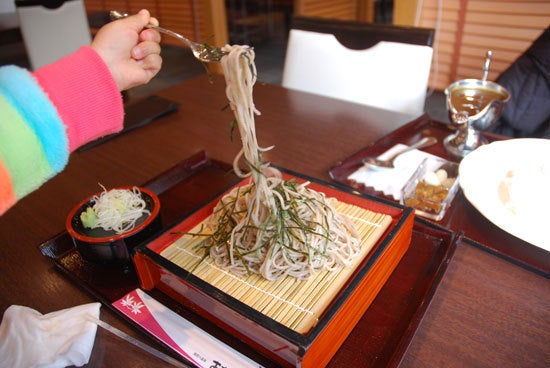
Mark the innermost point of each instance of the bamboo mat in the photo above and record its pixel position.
(296, 304)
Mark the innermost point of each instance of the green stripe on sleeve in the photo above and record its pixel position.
(21, 151)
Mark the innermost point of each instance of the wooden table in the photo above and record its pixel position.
(487, 311)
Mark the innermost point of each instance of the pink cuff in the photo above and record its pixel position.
(85, 95)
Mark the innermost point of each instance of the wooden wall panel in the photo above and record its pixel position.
(94, 6)
(468, 28)
(192, 18)
(117, 5)
(334, 9)
(136, 5)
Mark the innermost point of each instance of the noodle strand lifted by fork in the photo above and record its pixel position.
(270, 226)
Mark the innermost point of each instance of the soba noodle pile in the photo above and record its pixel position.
(116, 209)
(270, 226)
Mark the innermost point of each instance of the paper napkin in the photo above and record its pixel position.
(58, 339)
(391, 181)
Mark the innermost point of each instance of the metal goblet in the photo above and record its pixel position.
(473, 106)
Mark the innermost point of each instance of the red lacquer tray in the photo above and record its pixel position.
(383, 332)
(308, 347)
(461, 216)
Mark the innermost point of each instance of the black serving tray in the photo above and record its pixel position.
(386, 328)
(461, 215)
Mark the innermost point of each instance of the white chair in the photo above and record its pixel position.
(52, 29)
(360, 62)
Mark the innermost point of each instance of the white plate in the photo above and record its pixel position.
(509, 183)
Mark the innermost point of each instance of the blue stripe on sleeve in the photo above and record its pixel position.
(24, 93)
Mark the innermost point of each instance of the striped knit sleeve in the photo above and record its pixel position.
(46, 115)
(85, 94)
(33, 142)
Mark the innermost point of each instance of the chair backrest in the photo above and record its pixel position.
(52, 29)
(374, 64)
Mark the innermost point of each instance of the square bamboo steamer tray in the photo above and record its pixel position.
(305, 324)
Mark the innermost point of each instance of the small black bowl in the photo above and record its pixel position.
(107, 247)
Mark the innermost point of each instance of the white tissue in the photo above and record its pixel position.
(58, 339)
(391, 181)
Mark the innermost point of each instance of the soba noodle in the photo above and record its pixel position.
(270, 226)
(116, 210)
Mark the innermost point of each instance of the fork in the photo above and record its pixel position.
(201, 51)
(388, 163)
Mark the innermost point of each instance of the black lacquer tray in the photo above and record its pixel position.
(462, 215)
(384, 331)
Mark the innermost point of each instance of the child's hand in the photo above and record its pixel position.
(131, 52)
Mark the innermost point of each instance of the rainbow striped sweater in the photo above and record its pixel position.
(46, 115)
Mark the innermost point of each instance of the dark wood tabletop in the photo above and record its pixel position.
(488, 311)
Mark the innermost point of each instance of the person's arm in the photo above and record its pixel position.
(46, 115)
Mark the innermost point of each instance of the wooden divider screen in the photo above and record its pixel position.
(336, 9)
(201, 20)
(465, 29)
(468, 28)
(359, 10)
